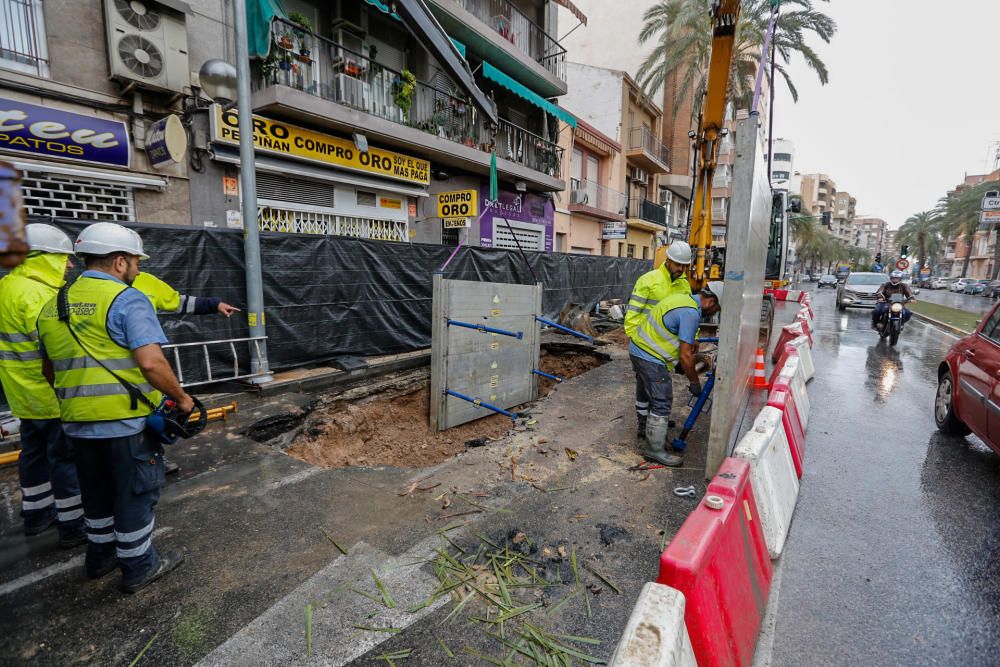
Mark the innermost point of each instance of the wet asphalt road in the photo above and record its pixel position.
(966, 302)
(892, 557)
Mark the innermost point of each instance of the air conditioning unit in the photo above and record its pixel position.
(351, 92)
(578, 197)
(147, 44)
(638, 175)
(351, 17)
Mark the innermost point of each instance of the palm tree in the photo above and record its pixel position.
(959, 212)
(682, 33)
(922, 230)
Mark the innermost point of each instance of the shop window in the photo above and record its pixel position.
(366, 198)
(275, 187)
(631, 250)
(83, 199)
(645, 252)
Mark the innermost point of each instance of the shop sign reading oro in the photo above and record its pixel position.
(47, 132)
(279, 138)
(458, 204)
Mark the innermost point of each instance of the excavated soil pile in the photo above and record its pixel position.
(616, 337)
(392, 428)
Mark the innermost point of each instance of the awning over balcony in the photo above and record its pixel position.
(259, 16)
(495, 75)
(426, 29)
(574, 10)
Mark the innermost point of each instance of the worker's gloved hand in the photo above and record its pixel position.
(695, 388)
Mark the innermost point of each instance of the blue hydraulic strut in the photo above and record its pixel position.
(547, 375)
(482, 327)
(680, 442)
(572, 332)
(482, 404)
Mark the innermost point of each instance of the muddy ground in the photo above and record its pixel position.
(392, 427)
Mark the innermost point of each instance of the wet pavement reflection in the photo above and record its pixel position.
(966, 302)
(891, 558)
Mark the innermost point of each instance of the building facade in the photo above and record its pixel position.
(361, 117)
(610, 102)
(869, 234)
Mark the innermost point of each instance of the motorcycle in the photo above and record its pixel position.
(891, 323)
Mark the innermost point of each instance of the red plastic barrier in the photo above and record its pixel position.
(783, 353)
(788, 334)
(780, 294)
(719, 560)
(793, 295)
(808, 307)
(768, 290)
(802, 319)
(781, 397)
(803, 295)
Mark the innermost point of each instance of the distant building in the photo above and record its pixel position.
(869, 233)
(782, 164)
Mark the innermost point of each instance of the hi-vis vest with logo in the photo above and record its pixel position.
(651, 288)
(655, 338)
(86, 391)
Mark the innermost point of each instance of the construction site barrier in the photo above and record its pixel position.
(806, 311)
(719, 561)
(807, 307)
(787, 335)
(803, 320)
(792, 370)
(794, 295)
(782, 398)
(803, 296)
(772, 475)
(655, 635)
(782, 354)
(802, 346)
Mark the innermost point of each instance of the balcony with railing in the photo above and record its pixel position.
(591, 198)
(510, 35)
(646, 150)
(324, 68)
(22, 37)
(647, 211)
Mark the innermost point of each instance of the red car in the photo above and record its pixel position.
(968, 393)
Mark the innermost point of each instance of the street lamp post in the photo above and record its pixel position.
(224, 84)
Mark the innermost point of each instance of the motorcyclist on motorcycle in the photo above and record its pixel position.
(895, 285)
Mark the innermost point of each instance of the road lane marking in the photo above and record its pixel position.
(57, 568)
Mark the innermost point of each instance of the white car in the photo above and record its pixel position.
(959, 285)
(940, 283)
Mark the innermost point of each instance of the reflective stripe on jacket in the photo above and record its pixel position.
(655, 338)
(86, 391)
(23, 293)
(651, 288)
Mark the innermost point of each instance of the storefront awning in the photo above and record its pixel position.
(292, 168)
(384, 8)
(125, 177)
(573, 10)
(495, 75)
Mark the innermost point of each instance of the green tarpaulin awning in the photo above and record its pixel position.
(519, 89)
(260, 13)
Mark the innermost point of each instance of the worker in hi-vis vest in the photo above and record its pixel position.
(100, 343)
(50, 492)
(168, 301)
(651, 288)
(666, 337)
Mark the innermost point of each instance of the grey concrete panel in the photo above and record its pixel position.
(746, 248)
(485, 366)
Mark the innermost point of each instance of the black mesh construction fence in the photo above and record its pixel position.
(329, 296)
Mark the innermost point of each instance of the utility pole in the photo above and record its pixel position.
(248, 190)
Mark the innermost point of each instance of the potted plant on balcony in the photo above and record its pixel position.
(302, 36)
(402, 91)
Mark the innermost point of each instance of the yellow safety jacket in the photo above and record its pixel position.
(23, 293)
(651, 288)
(165, 299)
(655, 338)
(87, 392)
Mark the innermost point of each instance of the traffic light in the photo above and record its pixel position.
(904, 252)
(878, 258)
(826, 218)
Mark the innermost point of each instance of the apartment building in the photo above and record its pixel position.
(93, 97)
(782, 164)
(869, 233)
(612, 103)
(890, 247)
(361, 114)
(982, 248)
(843, 214)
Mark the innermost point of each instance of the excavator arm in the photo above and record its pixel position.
(725, 15)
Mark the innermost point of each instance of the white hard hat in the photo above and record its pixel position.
(104, 238)
(715, 288)
(679, 252)
(48, 238)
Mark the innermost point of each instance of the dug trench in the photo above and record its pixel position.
(386, 423)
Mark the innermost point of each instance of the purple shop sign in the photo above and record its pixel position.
(47, 132)
(537, 214)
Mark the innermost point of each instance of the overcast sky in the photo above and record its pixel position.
(913, 102)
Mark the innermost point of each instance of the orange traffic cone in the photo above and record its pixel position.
(759, 378)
